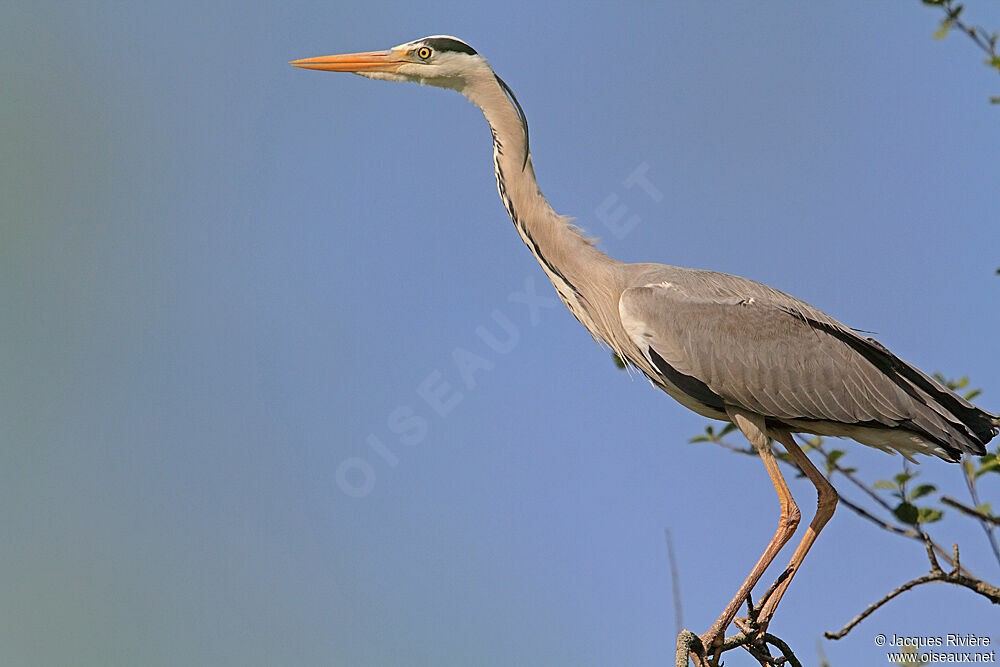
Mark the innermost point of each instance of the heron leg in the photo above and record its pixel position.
(825, 506)
(752, 426)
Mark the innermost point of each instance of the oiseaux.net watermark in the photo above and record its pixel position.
(948, 648)
(440, 392)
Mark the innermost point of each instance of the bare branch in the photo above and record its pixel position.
(688, 644)
(751, 638)
(935, 566)
(756, 642)
(783, 647)
(956, 576)
(971, 511)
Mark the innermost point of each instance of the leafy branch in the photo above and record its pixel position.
(907, 506)
(984, 39)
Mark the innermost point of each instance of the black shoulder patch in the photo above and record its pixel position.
(691, 386)
(448, 44)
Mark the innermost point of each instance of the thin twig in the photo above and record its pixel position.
(991, 593)
(760, 653)
(976, 33)
(823, 661)
(971, 511)
(836, 467)
(749, 451)
(747, 639)
(912, 533)
(988, 591)
(783, 647)
(865, 514)
(987, 526)
(980, 36)
(935, 565)
(675, 583)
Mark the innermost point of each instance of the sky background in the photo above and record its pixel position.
(223, 282)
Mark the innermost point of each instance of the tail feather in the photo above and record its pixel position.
(951, 421)
(970, 428)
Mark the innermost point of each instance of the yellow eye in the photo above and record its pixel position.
(424, 53)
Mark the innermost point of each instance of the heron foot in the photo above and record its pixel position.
(706, 649)
(711, 645)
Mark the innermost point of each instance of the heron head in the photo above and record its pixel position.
(438, 60)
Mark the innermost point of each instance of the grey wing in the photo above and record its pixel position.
(783, 359)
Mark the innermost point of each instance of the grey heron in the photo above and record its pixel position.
(723, 346)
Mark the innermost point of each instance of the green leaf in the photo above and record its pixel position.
(929, 515)
(972, 394)
(942, 31)
(832, 458)
(904, 477)
(922, 490)
(618, 361)
(991, 464)
(985, 508)
(951, 383)
(884, 485)
(995, 99)
(728, 428)
(906, 512)
(699, 438)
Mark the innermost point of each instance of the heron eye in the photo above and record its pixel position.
(424, 53)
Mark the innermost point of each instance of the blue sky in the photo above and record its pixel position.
(222, 278)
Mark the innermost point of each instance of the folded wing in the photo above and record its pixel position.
(779, 357)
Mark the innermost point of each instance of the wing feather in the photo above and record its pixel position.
(777, 356)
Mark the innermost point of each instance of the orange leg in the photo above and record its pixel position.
(752, 426)
(826, 504)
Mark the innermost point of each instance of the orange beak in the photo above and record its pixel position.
(372, 61)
